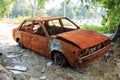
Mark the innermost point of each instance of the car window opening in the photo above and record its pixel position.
(56, 27)
(37, 29)
(26, 26)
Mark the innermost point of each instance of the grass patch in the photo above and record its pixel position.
(99, 29)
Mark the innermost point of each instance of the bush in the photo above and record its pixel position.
(99, 29)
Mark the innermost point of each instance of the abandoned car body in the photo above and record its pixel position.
(61, 40)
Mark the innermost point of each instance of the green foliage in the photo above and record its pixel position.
(4, 6)
(33, 8)
(68, 1)
(41, 3)
(59, 12)
(112, 17)
(19, 9)
(99, 29)
(72, 11)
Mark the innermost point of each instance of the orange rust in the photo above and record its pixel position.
(94, 57)
(84, 38)
(41, 36)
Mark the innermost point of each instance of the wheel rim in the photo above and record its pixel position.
(59, 59)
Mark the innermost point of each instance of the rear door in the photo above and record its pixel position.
(39, 42)
(25, 29)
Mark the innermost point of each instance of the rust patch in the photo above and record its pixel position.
(83, 38)
(86, 60)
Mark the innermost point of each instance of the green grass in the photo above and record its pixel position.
(99, 29)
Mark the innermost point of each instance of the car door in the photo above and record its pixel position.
(25, 30)
(39, 42)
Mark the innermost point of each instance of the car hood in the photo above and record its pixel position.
(83, 38)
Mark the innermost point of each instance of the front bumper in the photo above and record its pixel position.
(88, 59)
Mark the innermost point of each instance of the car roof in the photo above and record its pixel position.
(45, 18)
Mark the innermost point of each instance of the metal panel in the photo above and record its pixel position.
(83, 38)
(86, 60)
(26, 39)
(39, 44)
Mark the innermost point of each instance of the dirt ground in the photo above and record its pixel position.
(33, 66)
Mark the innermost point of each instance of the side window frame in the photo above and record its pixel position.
(43, 29)
(27, 26)
(77, 27)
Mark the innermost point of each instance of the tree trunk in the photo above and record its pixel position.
(117, 34)
(64, 8)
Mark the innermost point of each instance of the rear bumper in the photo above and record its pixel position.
(86, 60)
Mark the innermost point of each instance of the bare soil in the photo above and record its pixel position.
(107, 68)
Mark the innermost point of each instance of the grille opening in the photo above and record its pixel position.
(106, 42)
(94, 48)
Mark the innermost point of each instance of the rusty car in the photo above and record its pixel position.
(61, 40)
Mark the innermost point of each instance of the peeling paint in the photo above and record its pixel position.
(55, 45)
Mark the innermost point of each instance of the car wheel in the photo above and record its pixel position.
(59, 59)
(20, 44)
